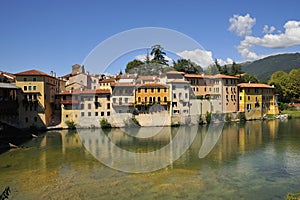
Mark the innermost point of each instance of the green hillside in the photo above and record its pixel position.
(265, 67)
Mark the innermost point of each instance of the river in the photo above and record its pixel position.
(252, 160)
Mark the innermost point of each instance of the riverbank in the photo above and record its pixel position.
(292, 113)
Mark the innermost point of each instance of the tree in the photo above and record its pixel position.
(217, 65)
(187, 66)
(246, 78)
(224, 70)
(158, 55)
(133, 64)
(212, 70)
(235, 69)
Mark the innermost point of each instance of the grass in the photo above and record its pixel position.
(292, 113)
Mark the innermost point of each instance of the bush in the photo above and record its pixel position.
(208, 117)
(104, 123)
(201, 121)
(283, 106)
(132, 122)
(71, 124)
(242, 116)
(228, 117)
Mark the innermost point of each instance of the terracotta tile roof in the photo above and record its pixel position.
(254, 85)
(175, 72)
(32, 72)
(222, 76)
(193, 76)
(108, 80)
(152, 85)
(99, 91)
(122, 85)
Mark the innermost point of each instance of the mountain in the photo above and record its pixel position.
(265, 67)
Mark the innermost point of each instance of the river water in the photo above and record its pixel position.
(252, 160)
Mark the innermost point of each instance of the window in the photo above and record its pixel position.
(185, 87)
(107, 97)
(67, 116)
(158, 90)
(82, 114)
(34, 79)
(139, 90)
(25, 88)
(197, 89)
(226, 81)
(248, 98)
(205, 89)
(150, 99)
(186, 95)
(34, 87)
(241, 98)
(165, 90)
(153, 99)
(126, 100)
(96, 98)
(26, 119)
(35, 119)
(89, 114)
(139, 99)
(256, 90)
(108, 105)
(89, 106)
(248, 107)
(102, 114)
(96, 113)
(152, 90)
(174, 96)
(81, 106)
(108, 113)
(145, 99)
(165, 99)
(158, 99)
(145, 90)
(174, 87)
(29, 87)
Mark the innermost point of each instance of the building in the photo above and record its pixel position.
(38, 104)
(9, 103)
(85, 107)
(257, 100)
(220, 89)
(152, 97)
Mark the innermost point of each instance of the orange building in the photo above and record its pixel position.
(148, 95)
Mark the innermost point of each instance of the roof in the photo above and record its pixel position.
(98, 91)
(32, 72)
(222, 76)
(122, 84)
(152, 85)
(178, 81)
(8, 86)
(254, 85)
(108, 80)
(175, 72)
(193, 76)
(7, 75)
(127, 76)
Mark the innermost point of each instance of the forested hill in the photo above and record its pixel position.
(265, 67)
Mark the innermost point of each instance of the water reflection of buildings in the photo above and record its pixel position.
(239, 138)
(126, 152)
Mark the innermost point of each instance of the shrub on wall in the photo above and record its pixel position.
(104, 123)
(71, 124)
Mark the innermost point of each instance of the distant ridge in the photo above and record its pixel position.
(265, 67)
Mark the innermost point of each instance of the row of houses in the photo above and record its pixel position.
(43, 100)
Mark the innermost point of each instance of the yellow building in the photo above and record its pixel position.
(85, 107)
(38, 104)
(257, 100)
(148, 95)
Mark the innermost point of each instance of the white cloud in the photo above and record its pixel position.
(225, 62)
(290, 37)
(198, 56)
(268, 30)
(241, 25)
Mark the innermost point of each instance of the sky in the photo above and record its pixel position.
(54, 35)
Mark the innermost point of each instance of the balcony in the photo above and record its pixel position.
(69, 101)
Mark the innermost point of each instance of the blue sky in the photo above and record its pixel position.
(54, 35)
